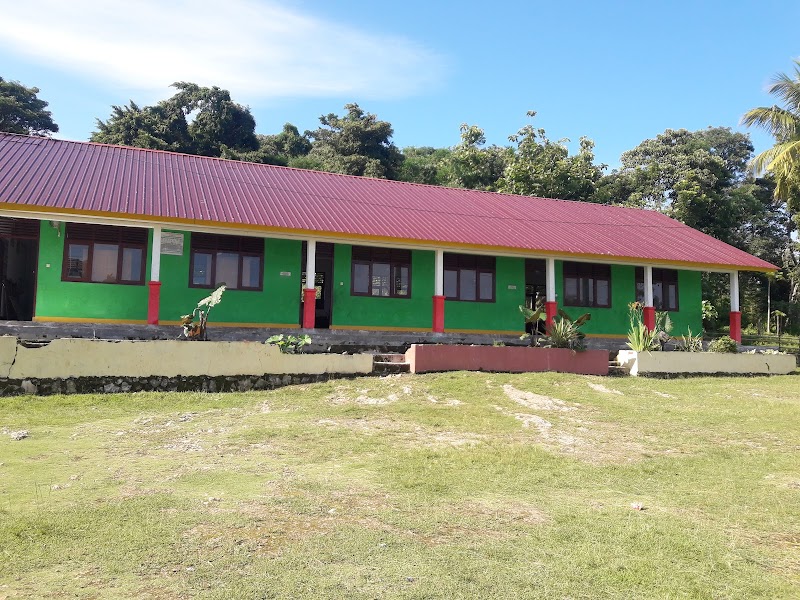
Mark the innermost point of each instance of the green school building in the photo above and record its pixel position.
(97, 233)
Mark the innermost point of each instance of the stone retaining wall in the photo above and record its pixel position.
(112, 385)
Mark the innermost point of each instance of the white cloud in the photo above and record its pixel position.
(254, 48)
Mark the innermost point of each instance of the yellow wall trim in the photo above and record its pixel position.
(214, 324)
(378, 328)
(616, 336)
(87, 320)
(486, 331)
(211, 325)
(417, 329)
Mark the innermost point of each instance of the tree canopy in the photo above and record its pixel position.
(22, 111)
(195, 120)
(284, 148)
(354, 144)
(541, 167)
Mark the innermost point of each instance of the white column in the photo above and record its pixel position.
(155, 259)
(734, 291)
(648, 286)
(311, 264)
(438, 286)
(550, 280)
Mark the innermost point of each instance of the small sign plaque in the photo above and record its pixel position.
(172, 243)
(512, 287)
(286, 273)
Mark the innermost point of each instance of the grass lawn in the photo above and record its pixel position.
(459, 485)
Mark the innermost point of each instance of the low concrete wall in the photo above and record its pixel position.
(427, 358)
(70, 358)
(673, 363)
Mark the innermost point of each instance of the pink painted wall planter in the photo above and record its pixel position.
(425, 358)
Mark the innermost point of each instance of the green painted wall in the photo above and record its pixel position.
(690, 300)
(278, 303)
(72, 299)
(615, 320)
(502, 314)
(415, 312)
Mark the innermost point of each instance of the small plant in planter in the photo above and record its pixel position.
(196, 330)
(565, 332)
(690, 343)
(724, 344)
(289, 344)
(642, 339)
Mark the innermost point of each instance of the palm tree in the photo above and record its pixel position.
(783, 123)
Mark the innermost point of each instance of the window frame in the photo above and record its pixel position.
(214, 244)
(593, 272)
(371, 255)
(91, 235)
(470, 262)
(659, 276)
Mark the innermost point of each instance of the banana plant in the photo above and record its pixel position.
(533, 316)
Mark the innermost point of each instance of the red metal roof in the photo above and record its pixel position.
(42, 174)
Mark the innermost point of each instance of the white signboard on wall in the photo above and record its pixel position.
(172, 243)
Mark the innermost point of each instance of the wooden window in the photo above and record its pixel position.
(382, 272)
(104, 254)
(665, 288)
(233, 260)
(586, 284)
(469, 277)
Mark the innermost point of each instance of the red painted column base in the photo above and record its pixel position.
(649, 317)
(736, 326)
(438, 314)
(153, 302)
(550, 312)
(309, 308)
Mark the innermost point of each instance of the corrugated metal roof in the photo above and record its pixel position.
(86, 178)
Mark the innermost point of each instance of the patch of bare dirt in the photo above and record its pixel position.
(447, 401)
(341, 396)
(406, 434)
(505, 511)
(536, 401)
(561, 440)
(599, 387)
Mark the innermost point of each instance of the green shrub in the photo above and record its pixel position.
(724, 344)
(290, 344)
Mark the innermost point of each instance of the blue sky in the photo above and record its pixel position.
(617, 72)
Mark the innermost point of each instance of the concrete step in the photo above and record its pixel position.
(390, 363)
(390, 368)
(614, 370)
(390, 358)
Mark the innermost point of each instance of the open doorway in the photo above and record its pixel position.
(19, 252)
(323, 280)
(535, 287)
